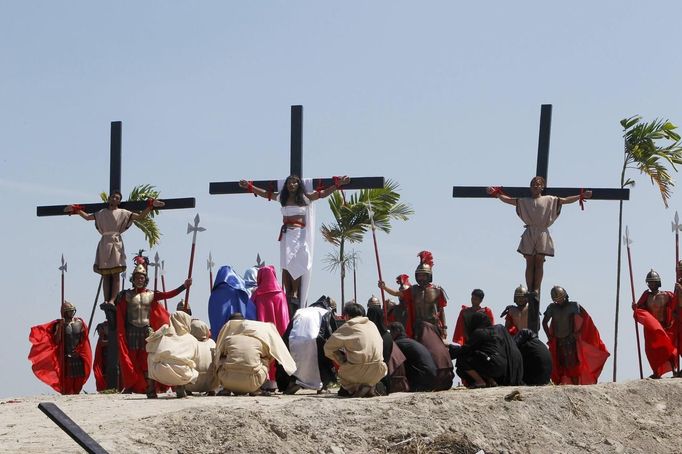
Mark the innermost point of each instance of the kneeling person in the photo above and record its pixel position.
(245, 349)
(357, 347)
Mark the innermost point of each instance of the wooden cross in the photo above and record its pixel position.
(541, 170)
(296, 167)
(115, 185)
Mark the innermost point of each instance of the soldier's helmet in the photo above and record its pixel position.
(66, 307)
(373, 301)
(558, 294)
(520, 292)
(653, 276)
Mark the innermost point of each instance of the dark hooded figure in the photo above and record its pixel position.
(419, 366)
(396, 378)
(308, 330)
(490, 356)
(537, 361)
(430, 338)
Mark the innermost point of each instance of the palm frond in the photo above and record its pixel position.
(643, 152)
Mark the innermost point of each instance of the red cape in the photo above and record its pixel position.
(458, 336)
(46, 357)
(406, 297)
(592, 355)
(659, 343)
(133, 367)
(98, 366)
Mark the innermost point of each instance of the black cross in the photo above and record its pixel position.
(541, 170)
(115, 185)
(296, 167)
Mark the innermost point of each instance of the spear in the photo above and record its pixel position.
(628, 242)
(63, 270)
(676, 228)
(209, 265)
(163, 282)
(376, 255)
(192, 229)
(156, 265)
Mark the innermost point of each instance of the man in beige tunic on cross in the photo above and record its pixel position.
(537, 212)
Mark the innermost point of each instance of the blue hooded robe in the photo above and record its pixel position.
(229, 295)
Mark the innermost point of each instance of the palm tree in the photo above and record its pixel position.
(148, 225)
(642, 153)
(352, 221)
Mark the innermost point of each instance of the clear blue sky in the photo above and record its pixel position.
(430, 94)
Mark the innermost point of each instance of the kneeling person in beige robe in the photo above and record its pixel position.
(245, 349)
(203, 359)
(172, 354)
(357, 347)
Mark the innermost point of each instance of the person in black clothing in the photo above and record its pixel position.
(419, 366)
(537, 361)
(490, 356)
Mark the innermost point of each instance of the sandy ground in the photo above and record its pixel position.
(638, 416)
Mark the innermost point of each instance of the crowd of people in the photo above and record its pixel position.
(262, 338)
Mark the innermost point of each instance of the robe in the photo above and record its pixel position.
(228, 297)
(305, 337)
(203, 359)
(244, 350)
(537, 214)
(47, 358)
(659, 342)
(431, 339)
(172, 352)
(592, 353)
(537, 361)
(358, 349)
(459, 335)
(110, 257)
(420, 369)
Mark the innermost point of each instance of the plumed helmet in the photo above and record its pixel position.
(653, 276)
(425, 264)
(66, 306)
(373, 301)
(558, 294)
(140, 269)
(520, 292)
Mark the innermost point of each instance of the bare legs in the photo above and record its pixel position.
(291, 288)
(111, 285)
(534, 272)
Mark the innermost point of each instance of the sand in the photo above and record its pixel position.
(638, 416)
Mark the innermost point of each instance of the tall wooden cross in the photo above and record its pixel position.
(115, 185)
(296, 168)
(541, 170)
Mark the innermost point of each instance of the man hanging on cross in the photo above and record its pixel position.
(538, 212)
(295, 250)
(111, 222)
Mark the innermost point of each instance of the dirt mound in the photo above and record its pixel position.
(639, 416)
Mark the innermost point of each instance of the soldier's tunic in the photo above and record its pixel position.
(423, 305)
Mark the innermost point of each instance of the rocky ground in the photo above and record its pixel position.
(638, 416)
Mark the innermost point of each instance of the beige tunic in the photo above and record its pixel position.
(204, 366)
(110, 257)
(538, 214)
(243, 354)
(358, 347)
(172, 352)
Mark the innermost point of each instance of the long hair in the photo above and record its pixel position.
(298, 197)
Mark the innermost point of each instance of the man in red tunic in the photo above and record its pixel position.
(138, 314)
(60, 352)
(656, 311)
(477, 296)
(424, 301)
(578, 353)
